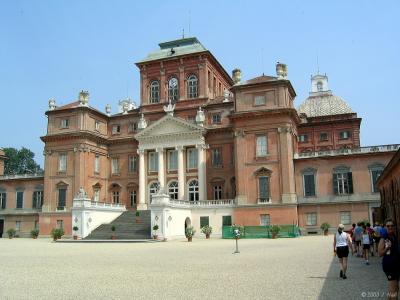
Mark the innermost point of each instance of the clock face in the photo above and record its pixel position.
(173, 82)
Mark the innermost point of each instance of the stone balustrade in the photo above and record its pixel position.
(21, 176)
(207, 203)
(339, 152)
(88, 203)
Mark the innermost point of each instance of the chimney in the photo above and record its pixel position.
(236, 75)
(281, 70)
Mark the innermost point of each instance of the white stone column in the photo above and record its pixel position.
(142, 182)
(201, 171)
(161, 169)
(181, 174)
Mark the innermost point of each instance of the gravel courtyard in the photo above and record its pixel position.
(301, 268)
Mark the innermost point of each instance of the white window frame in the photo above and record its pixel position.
(303, 138)
(17, 225)
(193, 189)
(96, 194)
(133, 197)
(265, 219)
(192, 86)
(153, 189)
(173, 189)
(3, 199)
(217, 191)
(261, 146)
(116, 129)
(344, 135)
(62, 162)
(345, 215)
(216, 163)
(115, 196)
(311, 219)
(64, 123)
(154, 91)
(153, 161)
(216, 118)
(115, 166)
(97, 125)
(259, 100)
(172, 160)
(132, 163)
(192, 158)
(371, 171)
(97, 163)
(173, 91)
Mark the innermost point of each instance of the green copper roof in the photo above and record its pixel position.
(175, 48)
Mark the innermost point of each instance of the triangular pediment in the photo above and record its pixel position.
(167, 126)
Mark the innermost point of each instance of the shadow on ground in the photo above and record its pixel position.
(363, 282)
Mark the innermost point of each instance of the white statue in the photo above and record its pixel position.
(200, 117)
(169, 109)
(83, 98)
(108, 110)
(52, 104)
(142, 124)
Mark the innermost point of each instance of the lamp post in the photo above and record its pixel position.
(236, 234)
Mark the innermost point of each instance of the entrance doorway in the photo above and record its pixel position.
(1, 228)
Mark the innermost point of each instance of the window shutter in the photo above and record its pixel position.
(309, 185)
(34, 200)
(3, 204)
(350, 182)
(226, 220)
(204, 221)
(335, 184)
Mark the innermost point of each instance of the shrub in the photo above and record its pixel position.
(137, 213)
(275, 229)
(57, 233)
(189, 231)
(113, 228)
(155, 227)
(325, 226)
(34, 233)
(11, 233)
(207, 230)
(75, 228)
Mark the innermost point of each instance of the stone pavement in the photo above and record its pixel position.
(301, 268)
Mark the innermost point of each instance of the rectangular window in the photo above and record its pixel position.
(132, 164)
(261, 147)
(217, 192)
(153, 161)
(115, 166)
(97, 164)
(309, 185)
(132, 127)
(323, 136)
(132, 196)
(18, 225)
(216, 118)
(263, 188)
(303, 138)
(115, 196)
(20, 199)
(191, 158)
(264, 220)
(226, 220)
(62, 198)
(204, 221)
(3, 200)
(172, 160)
(343, 183)
(62, 162)
(97, 125)
(60, 224)
(374, 177)
(311, 219)
(259, 100)
(96, 195)
(345, 217)
(344, 135)
(64, 123)
(216, 158)
(37, 199)
(116, 129)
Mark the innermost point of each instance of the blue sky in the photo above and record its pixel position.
(56, 48)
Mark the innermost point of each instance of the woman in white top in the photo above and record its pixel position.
(341, 243)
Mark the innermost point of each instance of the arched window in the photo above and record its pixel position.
(173, 89)
(194, 190)
(154, 92)
(173, 190)
(319, 86)
(192, 87)
(153, 189)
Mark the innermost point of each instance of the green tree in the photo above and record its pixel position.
(20, 162)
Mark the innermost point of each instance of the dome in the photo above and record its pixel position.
(321, 101)
(324, 104)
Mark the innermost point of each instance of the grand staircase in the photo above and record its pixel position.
(126, 227)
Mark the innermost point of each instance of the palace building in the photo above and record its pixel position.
(203, 147)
